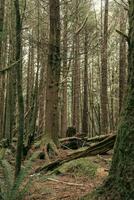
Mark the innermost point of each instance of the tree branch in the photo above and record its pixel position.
(9, 68)
(82, 26)
(123, 34)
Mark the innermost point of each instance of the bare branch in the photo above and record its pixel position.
(123, 34)
(82, 26)
(9, 67)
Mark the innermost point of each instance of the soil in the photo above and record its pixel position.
(67, 186)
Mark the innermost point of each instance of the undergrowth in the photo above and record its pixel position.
(11, 188)
(79, 167)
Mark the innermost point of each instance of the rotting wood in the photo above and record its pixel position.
(78, 142)
(97, 149)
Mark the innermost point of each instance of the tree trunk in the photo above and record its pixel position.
(2, 7)
(53, 73)
(19, 87)
(64, 87)
(85, 95)
(76, 74)
(104, 95)
(123, 58)
(120, 182)
(10, 103)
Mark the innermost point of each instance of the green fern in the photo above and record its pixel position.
(7, 182)
(11, 189)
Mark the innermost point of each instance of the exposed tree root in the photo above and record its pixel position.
(48, 149)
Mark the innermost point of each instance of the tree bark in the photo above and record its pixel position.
(76, 75)
(19, 88)
(64, 87)
(85, 122)
(120, 183)
(104, 95)
(122, 59)
(2, 8)
(53, 73)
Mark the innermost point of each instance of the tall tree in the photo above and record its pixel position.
(120, 184)
(76, 73)
(2, 8)
(19, 87)
(53, 75)
(64, 87)
(85, 113)
(10, 86)
(123, 58)
(104, 95)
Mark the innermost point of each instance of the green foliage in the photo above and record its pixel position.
(80, 167)
(14, 189)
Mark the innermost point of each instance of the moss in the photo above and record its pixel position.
(79, 167)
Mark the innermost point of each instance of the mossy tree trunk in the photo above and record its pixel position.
(2, 9)
(120, 183)
(19, 87)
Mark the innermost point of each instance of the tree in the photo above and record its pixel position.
(2, 9)
(53, 76)
(76, 73)
(120, 182)
(123, 58)
(85, 95)
(10, 79)
(19, 87)
(104, 95)
(65, 65)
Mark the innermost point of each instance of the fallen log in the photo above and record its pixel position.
(72, 143)
(68, 139)
(99, 148)
(93, 139)
(78, 142)
(96, 138)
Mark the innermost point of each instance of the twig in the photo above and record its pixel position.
(67, 183)
(82, 26)
(123, 34)
(125, 6)
(10, 67)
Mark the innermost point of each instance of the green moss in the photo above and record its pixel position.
(79, 167)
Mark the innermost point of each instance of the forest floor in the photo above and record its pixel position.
(71, 181)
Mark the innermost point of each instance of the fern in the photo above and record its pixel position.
(21, 177)
(11, 189)
(7, 172)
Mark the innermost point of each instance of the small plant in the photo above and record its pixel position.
(14, 189)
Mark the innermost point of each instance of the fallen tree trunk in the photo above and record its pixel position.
(78, 142)
(93, 139)
(96, 138)
(99, 148)
(68, 139)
